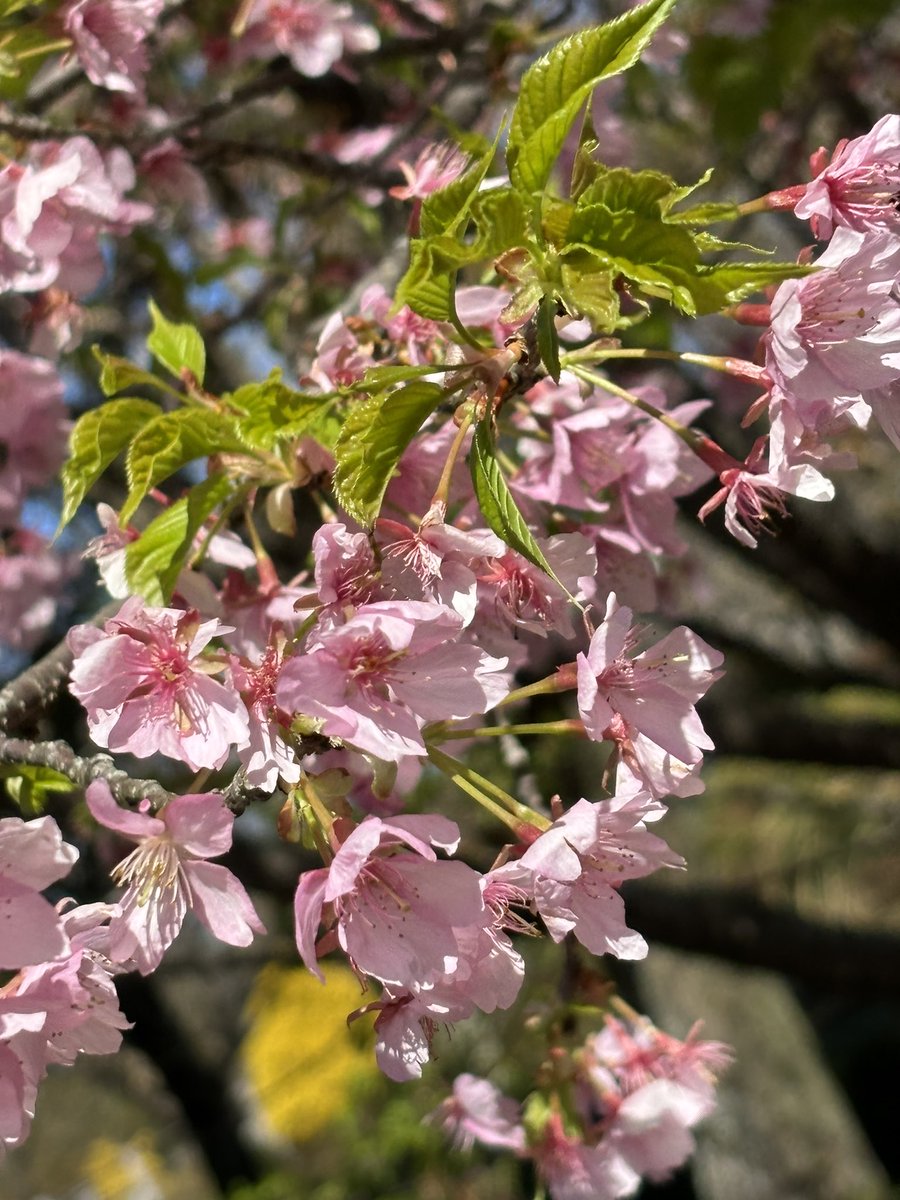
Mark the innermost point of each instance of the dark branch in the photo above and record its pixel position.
(36, 689)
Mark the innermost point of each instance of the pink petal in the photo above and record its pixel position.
(222, 904)
(107, 812)
(30, 930)
(307, 914)
(201, 824)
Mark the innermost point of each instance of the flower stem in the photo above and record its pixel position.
(537, 727)
(442, 491)
(478, 787)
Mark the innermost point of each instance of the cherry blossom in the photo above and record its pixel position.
(751, 495)
(148, 689)
(835, 334)
(437, 165)
(52, 1011)
(395, 905)
(108, 37)
(31, 583)
(858, 187)
(572, 872)
(485, 973)
(34, 428)
(478, 1111)
(32, 856)
(577, 1170)
(53, 209)
(314, 34)
(376, 680)
(645, 702)
(168, 874)
(646, 1090)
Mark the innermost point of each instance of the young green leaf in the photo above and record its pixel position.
(271, 412)
(375, 434)
(154, 561)
(97, 438)
(168, 442)
(444, 211)
(427, 286)
(30, 787)
(118, 374)
(176, 346)
(728, 283)
(496, 503)
(555, 87)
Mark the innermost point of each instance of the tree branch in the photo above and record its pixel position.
(32, 692)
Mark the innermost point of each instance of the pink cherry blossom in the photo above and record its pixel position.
(485, 973)
(168, 874)
(31, 582)
(577, 1170)
(520, 596)
(83, 1015)
(751, 495)
(573, 870)
(375, 681)
(33, 428)
(268, 755)
(645, 702)
(477, 1111)
(314, 34)
(644, 1090)
(437, 561)
(32, 856)
(394, 904)
(835, 334)
(148, 689)
(108, 37)
(65, 196)
(858, 188)
(437, 165)
(346, 570)
(50, 1012)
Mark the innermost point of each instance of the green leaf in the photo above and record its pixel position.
(705, 214)
(547, 337)
(29, 786)
(117, 374)
(623, 190)
(177, 347)
(154, 561)
(427, 286)
(495, 500)
(271, 412)
(168, 442)
(555, 87)
(375, 434)
(729, 283)
(588, 290)
(378, 379)
(97, 437)
(584, 164)
(444, 211)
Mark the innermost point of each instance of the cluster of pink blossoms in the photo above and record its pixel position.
(61, 1001)
(55, 206)
(636, 1093)
(831, 349)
